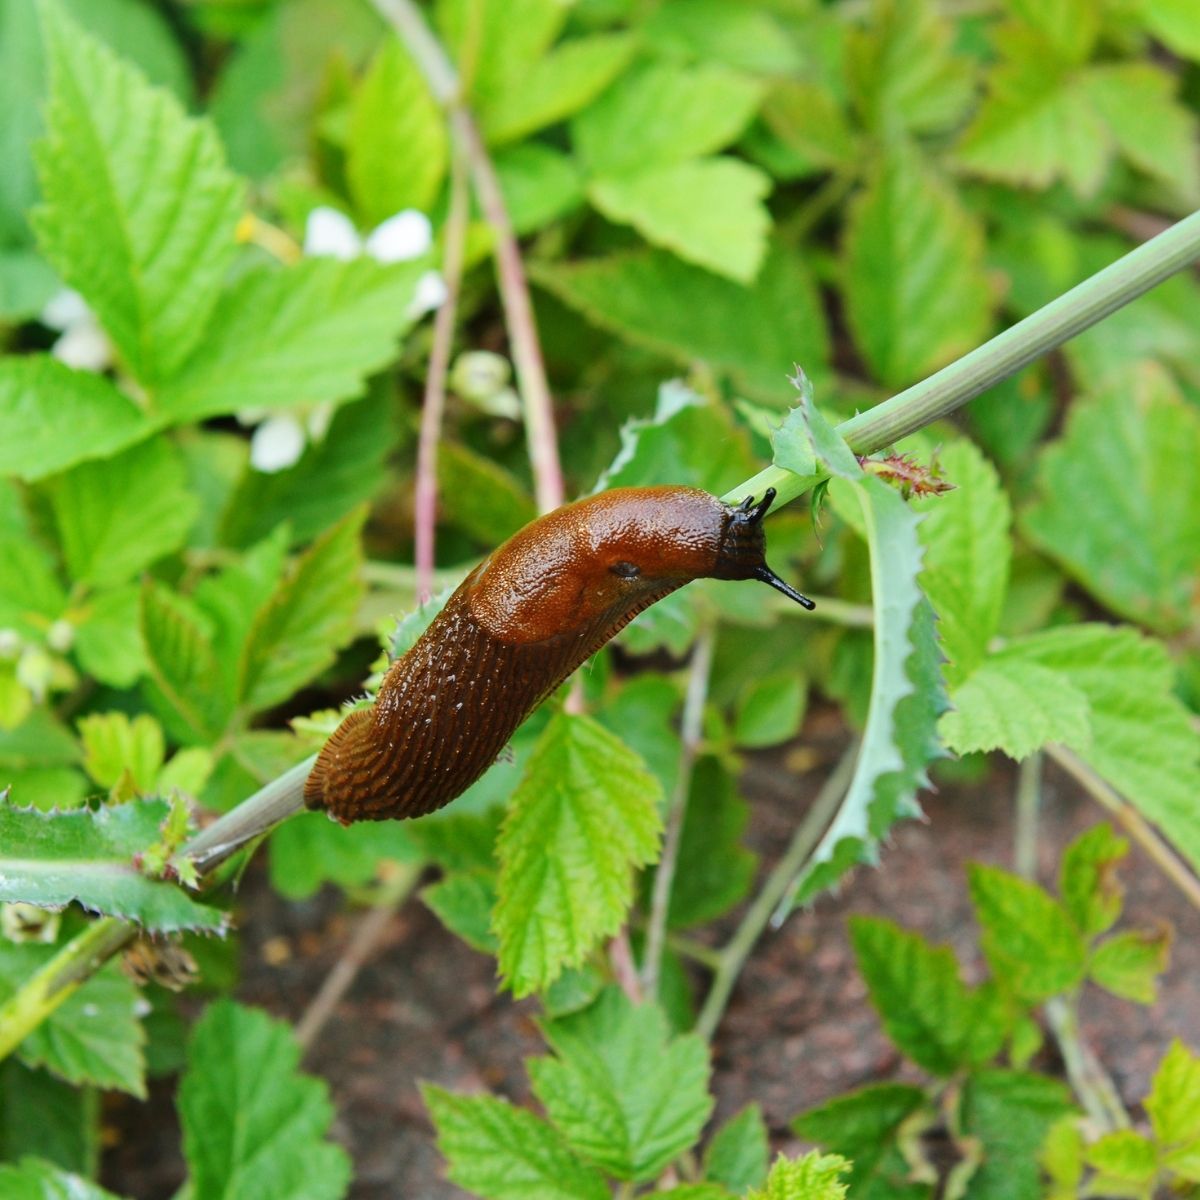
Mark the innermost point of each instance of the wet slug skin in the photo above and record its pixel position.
(517, 626)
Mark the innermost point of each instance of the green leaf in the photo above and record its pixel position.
(1174, 1101)
(27, 283)
(726, 234)
(810, 122)
(1133, 544)
(1070, 26)
(44, 1116)
(915, 289)
(1061, 1157)
(906, 689)
(253, 1124)
(1014, 705)
(931, 1015)
(53, 858)
(737, 1154)
(1011, 1113)
(396, 151)
(867, 1126)
(1142, 739)
(1176, 23)
(1030, 941)
(753, 334)
(31, 597)
(583, 816)
(303, 335)
(1087, 879)
(624, 1094)
(463, 902)
(108, 638)
(744, 37)
(114, 745)
(93, 1037)
(504, 1153)
(1128, 964)
(661, 114)
(308, 618)
(1124, 1156)
(813, 1177)
(480, 496)
(967, 554)
(540, 185)
(140, 209)
(32, 1179)
(118, 515)
(557, 86)
(52, 417)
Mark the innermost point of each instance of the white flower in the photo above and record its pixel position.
(401, 238)
(277, 444)
(83, 343)
(430, 293)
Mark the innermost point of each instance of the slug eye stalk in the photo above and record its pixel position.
(768, 576)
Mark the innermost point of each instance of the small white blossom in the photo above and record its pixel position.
(430, 293)
(277, 444)
(82, 344)
(331, 234)
(401, 238)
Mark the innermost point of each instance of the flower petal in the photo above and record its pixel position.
(430, 293)
(405, 236)
(277, 444)
(331, 234)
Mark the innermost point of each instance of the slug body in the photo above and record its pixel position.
(516, 627)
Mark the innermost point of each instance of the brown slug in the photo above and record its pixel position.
(515, 628)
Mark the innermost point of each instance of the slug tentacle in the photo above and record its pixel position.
(516, 627)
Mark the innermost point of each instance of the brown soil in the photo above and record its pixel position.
(799, 1029)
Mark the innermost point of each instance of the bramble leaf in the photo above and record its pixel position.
(813, 1177)
(1128, 964)
(737, 1155)
(1174, 1102)
(1087, 879)
(463, 902)
(34, 1179)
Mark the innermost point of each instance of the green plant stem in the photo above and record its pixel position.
(1090, 1081)
(804, 841)
(1029, 799)
(1045, 330)
(691, 735)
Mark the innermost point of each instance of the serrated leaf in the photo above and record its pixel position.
(931, 1015)
(93, 1037)
(1087, 879)
(967, 554)
(1128, 964)
(726, 234)
(915, 289)
(52, 417)
(737, 1155)
(583, 816)
(1014, 705)
(1123, 1155)
(463, 902)
(1030, 941)
(139, 208)
(1174, 1101)
(661, 114)
(53, 858)
(113, 745)
(253, 1124)
(754, 334)
(1133, 543)
(43, 1116)
(33, 1179)
(1070, 26)
(504, 1153)
(303, 335)
(813, 1177)
(907, 697)
(741, 36)
(309, 616)
(397, 146)
(624, 1094)
(867, 1127)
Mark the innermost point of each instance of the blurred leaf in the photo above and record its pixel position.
(480, 496)
(770, 710)
(504, 1153)
(92, 1037)
(116, 516)
(397, 147)
(867, 1126)
(32, 1179)
(1128, 964)
(584, 814)
(755, 334)
(726, 234)
(643, 715)
(1070, 26)
(540, 185)
(738, 35)
(812, 1177)
(31, 597)
(114, 745)
(622, 1092)
(463, 902)
(88, 855)
(1174, 1101)
(253, 1124)
(26, 280)
(108, 639)
(44, 1116)
(737, 1155)
(1176, 23)
(1087, 879)
(139, 209)
(809, 120)
(915, 290)
(1030, 942)
(40, 741)
(301, 335)
(1122, 1157)
(1119, 502)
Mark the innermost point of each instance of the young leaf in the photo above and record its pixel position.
(867, 1127)
(931, 1015)
(93, 1037)
(52, 417)
(813, 1177)
(310, 615)
(114, 745)
(770, 709)
(33, 1179)
(726, 234)
(306, 334)
(53, 858)
(906, 689)
(116, 516)
(737, 1155)
(1030, 942)
(396, 151)
(140, 209)
(1128, 964)
(253, 1124)
(583, 816)
(624, 1095)
(504, 1153)
(1121, 1157)
(911, 248)
(463, 902)
(1133, 544)
(1087, 879)
(1174, 1103)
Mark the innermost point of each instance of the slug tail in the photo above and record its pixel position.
(346, 745)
